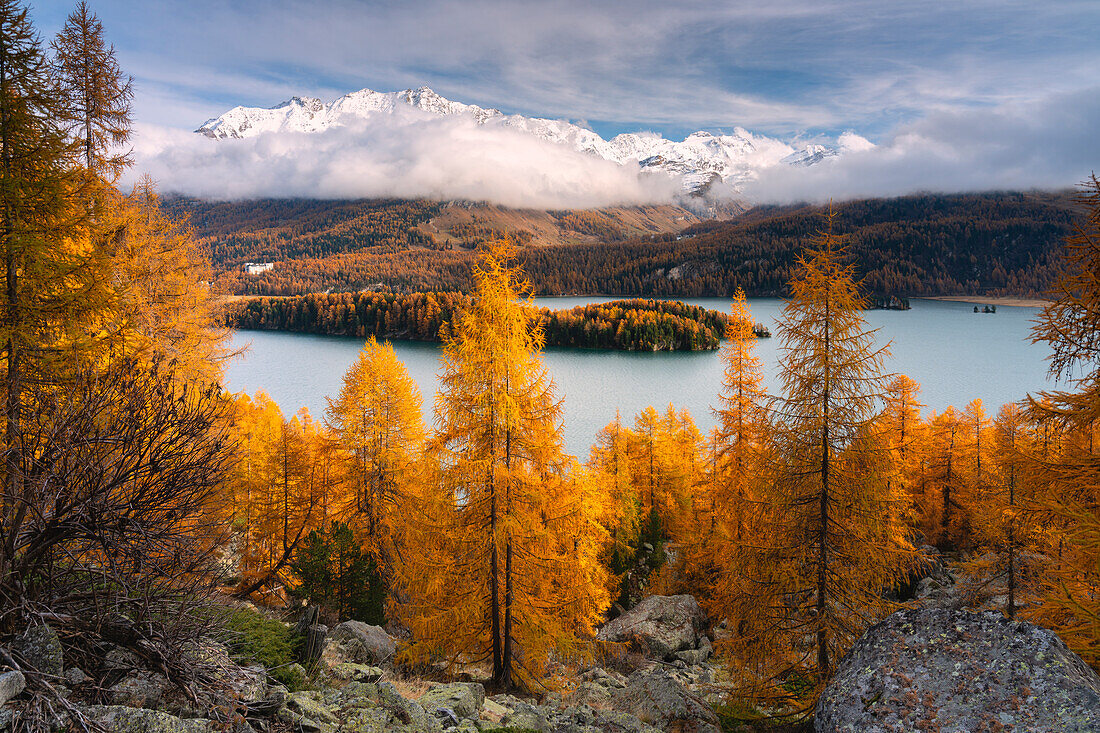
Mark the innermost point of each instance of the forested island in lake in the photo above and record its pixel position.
(629, 325)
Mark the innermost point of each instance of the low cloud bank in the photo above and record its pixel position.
(401, 155)
(1048, 145)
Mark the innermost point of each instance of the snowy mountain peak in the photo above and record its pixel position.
(700, 159)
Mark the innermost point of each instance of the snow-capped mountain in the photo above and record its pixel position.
(699, 160)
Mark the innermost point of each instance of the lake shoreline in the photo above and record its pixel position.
(1003, 300)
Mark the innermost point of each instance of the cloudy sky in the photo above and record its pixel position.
(959, 94)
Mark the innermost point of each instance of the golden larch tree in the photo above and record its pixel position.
(729, 493)
(376, 420)
(835, 538)
(97, 93)
(520, 534)
(1070, 325)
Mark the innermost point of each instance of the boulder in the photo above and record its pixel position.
(355, 672)
(464, 698)
(408, 712)
(512, 713)
(40, 648)
(121, 719)
(75, 676)
(658, 700)
(11, 684)
(139, 689)
(662, 625)
(309, 705)
(955, 671)
(359, 643)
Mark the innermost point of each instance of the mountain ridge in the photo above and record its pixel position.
(700, 160)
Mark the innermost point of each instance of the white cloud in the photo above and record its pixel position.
(1048, 144)
(404, 155)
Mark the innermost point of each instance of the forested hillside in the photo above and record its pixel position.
(989, 244)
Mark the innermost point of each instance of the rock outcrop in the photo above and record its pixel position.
(956, 672)
(358, 643)
(659, 700)
(121, 719)
(663, 627)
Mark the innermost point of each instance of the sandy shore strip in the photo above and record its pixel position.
(989, 300)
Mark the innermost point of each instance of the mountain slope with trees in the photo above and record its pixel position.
(930, 244)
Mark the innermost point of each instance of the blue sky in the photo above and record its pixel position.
(791, 68)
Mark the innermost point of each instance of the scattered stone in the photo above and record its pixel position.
(407, 712)
(493, 711)
(359, 643)
(356, 672)
(464, 698)
(658, 700)
(662, 625)
(11, 684)
(955, 671)
(40, 648)
(120, 660)
(308, 705)
(301, 724)
(76, 676)
(122, 719)
(446, 717)
(139, 690)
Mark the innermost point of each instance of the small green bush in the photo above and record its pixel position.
(253, 638)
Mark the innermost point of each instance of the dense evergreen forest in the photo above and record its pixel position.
(988, 244)
(633, 325)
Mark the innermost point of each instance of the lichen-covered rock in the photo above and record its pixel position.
(308, 704)
(359, 643)
(658, 700)
(11, 684)
(121, 719)
(464, 698)
(407, 712)
(247, 684)
(301, 724)
(663, 625)
(522, 715)
(75, 676)
(584, 719)
(139, 690)
(40, 648)
(356, 672)
(954, 672)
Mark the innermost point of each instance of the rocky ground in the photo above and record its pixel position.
(932, 668)
(357, 689)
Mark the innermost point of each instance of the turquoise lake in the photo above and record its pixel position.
(954, 353)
